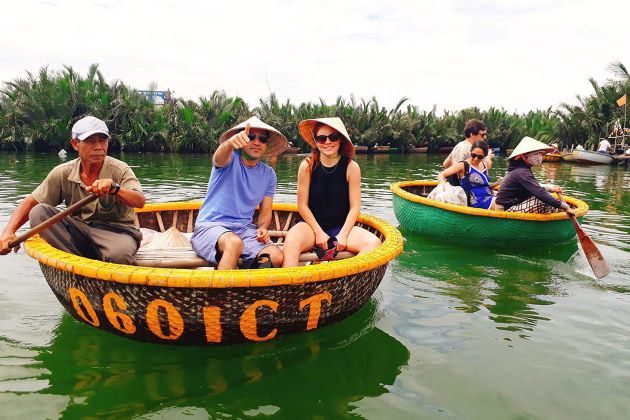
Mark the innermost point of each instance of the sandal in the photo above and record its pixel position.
(262, 261)
(328, 254)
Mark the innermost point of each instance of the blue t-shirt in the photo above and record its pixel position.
(235, 190)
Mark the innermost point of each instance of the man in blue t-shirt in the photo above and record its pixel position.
(239, 182)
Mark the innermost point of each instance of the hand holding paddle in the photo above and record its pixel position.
(103, 187)
(593, 255)
(56, 218)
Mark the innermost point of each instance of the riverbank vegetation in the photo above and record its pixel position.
(37, 112)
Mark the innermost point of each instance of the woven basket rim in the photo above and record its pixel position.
(392, 245)
(581, 208)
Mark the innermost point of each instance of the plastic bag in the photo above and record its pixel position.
(447, 193)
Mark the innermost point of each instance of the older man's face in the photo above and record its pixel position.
(257, 145)
(93, 149)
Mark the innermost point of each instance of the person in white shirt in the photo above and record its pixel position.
(474, 131)
(603, 146)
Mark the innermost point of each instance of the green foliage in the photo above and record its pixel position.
(38, 111)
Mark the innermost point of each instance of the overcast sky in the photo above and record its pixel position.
(519, 55)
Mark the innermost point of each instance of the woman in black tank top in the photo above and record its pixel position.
(328, 194)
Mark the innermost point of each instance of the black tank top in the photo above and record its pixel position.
(328, 194)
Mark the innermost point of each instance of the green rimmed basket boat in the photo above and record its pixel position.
(206, 307)
(416, 213)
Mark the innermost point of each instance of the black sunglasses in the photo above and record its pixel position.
(261, 138)
(321, 139)
(476, 156)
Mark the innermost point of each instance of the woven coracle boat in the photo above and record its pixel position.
(480, 227)
(205, 307)
(552, 157)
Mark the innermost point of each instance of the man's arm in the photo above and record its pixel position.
(488, 159)
(130, 197)
(222, 155)
(224, 152)
(448, 161)
(265, 213)
(18, 218)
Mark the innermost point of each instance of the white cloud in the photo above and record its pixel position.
(453, 54)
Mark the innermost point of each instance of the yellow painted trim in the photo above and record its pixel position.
(581, 208)
(178, 205)
(392, 245)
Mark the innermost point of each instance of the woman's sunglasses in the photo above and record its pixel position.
(476, 156)
(321, 139)
(261, 138)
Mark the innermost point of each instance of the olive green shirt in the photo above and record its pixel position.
(63, 184)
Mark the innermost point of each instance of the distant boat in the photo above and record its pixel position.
(417, 213)
(293, 150)
(552, 157)
(446, 149)
(360, 149)
(589, 157)
(380, 149)
(417, 149)
(567, 156)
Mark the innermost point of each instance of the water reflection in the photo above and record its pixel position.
(109, 376)
(509, 286)
(449, 303)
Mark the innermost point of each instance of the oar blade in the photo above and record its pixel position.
(594, 257)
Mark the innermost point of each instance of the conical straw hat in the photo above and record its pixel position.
(277, 144)
(307, 129)
(171, 238)
(528, 145)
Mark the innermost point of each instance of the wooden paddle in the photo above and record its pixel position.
(48, 223)
(593, 255)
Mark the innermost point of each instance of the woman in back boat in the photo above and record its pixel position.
(328, 195)
(473, 175)
(520, 191)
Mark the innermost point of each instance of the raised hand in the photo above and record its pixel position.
(240, 139)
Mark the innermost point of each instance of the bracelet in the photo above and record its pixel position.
(116, 187)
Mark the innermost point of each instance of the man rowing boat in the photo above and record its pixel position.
(104, 229)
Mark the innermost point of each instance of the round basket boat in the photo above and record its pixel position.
(205, 307)
(463, 224)
(552, 157)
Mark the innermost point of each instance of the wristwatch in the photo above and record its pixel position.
(113, 190)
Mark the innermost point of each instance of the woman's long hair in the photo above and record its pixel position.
(345, 148)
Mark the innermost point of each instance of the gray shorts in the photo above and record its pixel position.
(206, 235)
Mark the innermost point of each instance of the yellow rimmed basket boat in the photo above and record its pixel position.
(552, 157)
(206, 307)
(478, 227)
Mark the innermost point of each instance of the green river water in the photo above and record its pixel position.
(454, 331)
